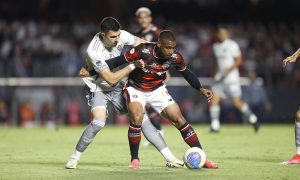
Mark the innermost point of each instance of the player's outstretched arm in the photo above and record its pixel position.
(110, 77)
(120, 60)
(192, 79)
(291, 58)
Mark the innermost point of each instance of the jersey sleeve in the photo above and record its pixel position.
(128, 38)
(134, 54)
(97, 61)
(236, 52)
(178, 62)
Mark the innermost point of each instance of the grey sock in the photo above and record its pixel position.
(89, 133)
(246, 110)
(297, 134)
(152, 134)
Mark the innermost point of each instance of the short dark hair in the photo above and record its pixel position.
(222, 26)
(167, 35)
(109, 23)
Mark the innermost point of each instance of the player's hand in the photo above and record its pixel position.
(84, 73)
(289, 60)
(139, 63)
(207, 93)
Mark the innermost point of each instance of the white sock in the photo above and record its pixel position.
(168, 155)
(214, 115)
(215, 124)
(76, 155)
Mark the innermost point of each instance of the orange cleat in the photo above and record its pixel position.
(135, 164)
(294, 160)
(210, 165)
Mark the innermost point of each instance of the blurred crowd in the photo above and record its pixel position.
(43, 49)
(27, 47)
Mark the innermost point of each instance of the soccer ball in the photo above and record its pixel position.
(194, 158)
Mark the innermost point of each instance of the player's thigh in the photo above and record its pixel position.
(219, 92)
(99, 106)
(133, 95)
(298, 115)
(234, 90)
(118, 101)
(159, 99)
(136, 101)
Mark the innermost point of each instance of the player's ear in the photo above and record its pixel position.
(158, 43)
(102, 34)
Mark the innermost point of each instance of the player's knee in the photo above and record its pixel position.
(178, 121)
(298, 116)
(215, 100)
(97, 125)
(137, 117)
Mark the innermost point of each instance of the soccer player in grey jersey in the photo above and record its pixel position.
(107, 87)
(296, 158)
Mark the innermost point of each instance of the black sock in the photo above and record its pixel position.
(154, 117)
(189, 135)
(134, 137)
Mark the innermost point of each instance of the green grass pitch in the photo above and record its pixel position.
(40, 153)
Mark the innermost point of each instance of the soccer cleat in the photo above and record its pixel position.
(294, 160)
(175, 164)
(211, 130)
(210, 165)
(135, 164)
(256, 126)
(72, 163)
(254, 121)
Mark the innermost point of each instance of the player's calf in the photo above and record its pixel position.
(189, 135)
(298, 116)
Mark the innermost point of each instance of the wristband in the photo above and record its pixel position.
(132, 66)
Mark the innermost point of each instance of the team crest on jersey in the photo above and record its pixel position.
(174, 56)
(146, 51)
(119, 47)
(134, 96)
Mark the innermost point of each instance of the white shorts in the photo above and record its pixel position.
(227, 90)
(159, 99)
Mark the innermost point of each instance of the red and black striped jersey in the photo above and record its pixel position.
(150, 35)
(152, 76)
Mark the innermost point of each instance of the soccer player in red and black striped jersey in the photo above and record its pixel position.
(146, 85)
(149, 32)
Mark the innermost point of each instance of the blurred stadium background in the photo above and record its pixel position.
(48, 39)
